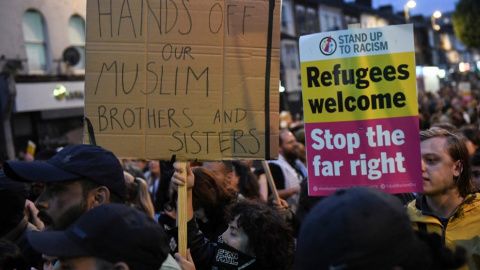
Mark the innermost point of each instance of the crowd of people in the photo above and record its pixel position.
(83, 208)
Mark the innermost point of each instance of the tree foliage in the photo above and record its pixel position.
(466, 22)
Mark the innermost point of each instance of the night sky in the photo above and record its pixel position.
(424, 7)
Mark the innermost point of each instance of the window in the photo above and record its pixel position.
(306, 20)
(335, 23)
(284, 17)
(76, 34)
(288, 21)
(311, 20)
(35, 44)
(301, 20)
(291, 56)
(326, 22)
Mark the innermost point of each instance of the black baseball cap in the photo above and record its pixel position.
(112, 232)
(355, 228)
(73, 162)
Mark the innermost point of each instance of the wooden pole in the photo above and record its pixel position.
(270, 181)
(182, 214)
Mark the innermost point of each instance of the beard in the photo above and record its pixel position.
(69, 216)
(291, 157)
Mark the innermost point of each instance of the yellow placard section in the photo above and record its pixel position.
(359, 88)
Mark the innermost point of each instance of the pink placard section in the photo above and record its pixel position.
(380, 153)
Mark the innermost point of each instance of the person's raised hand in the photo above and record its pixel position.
(185, 264)
(179, 180)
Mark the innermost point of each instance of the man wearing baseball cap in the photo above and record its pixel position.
(110, 236)
(77, 179)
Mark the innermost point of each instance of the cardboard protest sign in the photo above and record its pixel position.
(195, 79)
(361, 111)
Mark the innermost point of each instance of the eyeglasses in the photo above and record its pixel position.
(476, 174)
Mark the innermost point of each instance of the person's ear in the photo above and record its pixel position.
(228, 177)
(458, 168)
(121, 266)
(101, 195)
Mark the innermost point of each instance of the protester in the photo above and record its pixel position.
(11, 257)
(13, 224)
(299, 133)
(158, 179)
(210, 201)
(476, 171)
(288, 171)
(142, 164)
(224, 171)
(131, 167)
(138, 195)
(257, 168)
(110, 236)
(153, 177)
(305, 204)
(447, 205)
(257, 236)
(247, 183)
(49, 262)
(363, 229)
(471, 135)
(445, 125)
(163, 194)
(77, 179)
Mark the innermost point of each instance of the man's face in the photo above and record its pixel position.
(476, 176)
(438, 168)
(289, 146)
(60, 204)
(154, 166)
(236, 237)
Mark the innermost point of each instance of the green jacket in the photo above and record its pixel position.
(462, 228)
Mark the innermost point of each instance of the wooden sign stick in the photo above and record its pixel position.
(270, 181)
(182, 214)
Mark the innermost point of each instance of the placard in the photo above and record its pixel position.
(361, 111)
(195, 79)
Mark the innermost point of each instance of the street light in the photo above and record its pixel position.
(409, 5)
(436, 15)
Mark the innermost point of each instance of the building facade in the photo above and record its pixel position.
(436, 47)
(42, 63)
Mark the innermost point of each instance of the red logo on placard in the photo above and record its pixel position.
(328, 45)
